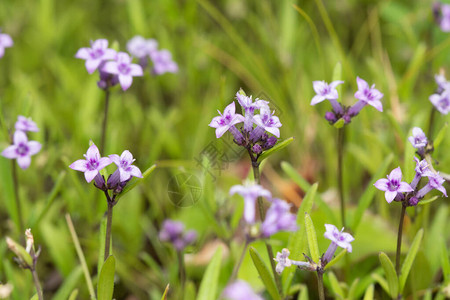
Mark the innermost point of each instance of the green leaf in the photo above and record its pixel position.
(367, 196)
(20, 251)
(73, 295)
(164, 296)
(423, 202)
(277, 147)
(265, 274)
(381, 281)
(7, 188)
(336, 259)
(105, 287)
(444, 260)
(339, 123)
(135, 181)
(303, 295)
(67, 288)
(440, 136)
(368, 295)
(352, 291)
(312, 239)
(35, 297)
(390, 273)
(409, 260)
(208, 286)
(335, 287)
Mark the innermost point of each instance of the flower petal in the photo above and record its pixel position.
(83, 53)
(24, 161)
(103, 162)
(79, 165)
(92, 65)
(404, 187)
(381, 184)
(136, 70)
(110, 67)
(20, 137)
(34, 147)
(125, 81)
(362, 84)
(390, 196)
(10, 152)
(115, 159)
(135, 172)
(395, 174)
(90, 175)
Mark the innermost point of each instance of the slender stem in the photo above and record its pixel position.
(105, 121)
(399, 240)
(431, 122)
(108, 228)
(16, 193)
(238, 265)
(340, 146)
(182, 270)
(320, 286)
(37, 284)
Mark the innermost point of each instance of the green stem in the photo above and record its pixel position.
(16, 193)
(105, 121)
(182, 271)
(108, 227)
(399, 240)
(37, 284)
(320, 286)
(340, 146)
(238, 265)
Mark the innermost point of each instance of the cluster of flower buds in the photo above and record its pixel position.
(93, 163)
(441, 14)
(174, 233)
(441, 99)
(5, 42)
(22, 149)
(278, 216)
(338, 238)
(366, 95)
(26, 257)
(410, 194)
(253, 135)
(147, 49)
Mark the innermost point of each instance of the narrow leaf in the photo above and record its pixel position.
(312, 239)
(164, 296)
(105, 287)
(409, 260)
(335, 287)
(101, 244)
(440, 136)
(423, 202)
(303, 295)
(381, 281)
(352, 291)
(264, 273)
(277, 147)
(368, 295)
(444, 260)
(73, 295)
(208, 286)
(390, 274)
(336, 259)
(135, 181)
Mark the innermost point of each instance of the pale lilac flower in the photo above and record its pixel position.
(442, 83)
(444, 21)
(125, 167)
(435, 182)
(140, 47)
(250, 192)
(5, 42)
(162, 62)
(422, 170)
(25, 124)
(267, 121)
(226, 121)
(278, 218)
(92, 164)
(124, 69)
(441, 101)
(338, 238)
(282, 260)
(240, 290)
(94, 56)
(418, 138)
(174, 232)
(22, 149)
(366, 95)
(249, 108)
(325, 91)
(393, 185)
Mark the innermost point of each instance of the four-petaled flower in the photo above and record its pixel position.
(227, 120)
(25, 124)
(418, 138)
(338, 238)
(369, 95)
(282, 260)
(435, 182)
(124, 165)
(124, 69)
(94, 56)
(162, 62)
(393, 185)
(22, 149)
(325, 91)
(441, 101)
(250, 193)
(140, 47)
(5, 42)
(268, 121)
(92, 164)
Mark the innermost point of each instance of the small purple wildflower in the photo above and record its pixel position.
(442, 83)
(422, 170)
(250, 192)
(418, 139)
(240, 290)
(96, 55)
(282, 260)
(22, 149)
(124, 69)
(435, 182)
(338, 238)
(92, 164)
(174, 232)
(162, 62)
(278, 218)
(268, 121)
(25, 124)
(444, 17)
(125, 167)
(441, 101)
(140, 47)
(325, 91)
(367, 95)
(226, 121)
(5, 42)
(393, 185)
(249, 108)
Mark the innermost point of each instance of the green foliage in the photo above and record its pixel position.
(105, 287)
(209, 284)
(391, 275)
(265, 274)
(409, 260)
(312, 239)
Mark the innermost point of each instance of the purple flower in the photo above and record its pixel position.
(444, 18)
(92, 164)
(5, 42)
(94, 56)
(226, 121)
(422, 170)
(25, 124)
(442, 83)
(249, 108)
(338, 238)
(22, 149)
(240, 290)
(325, 91)
(173, 232)
(125, 167)
(441, 101)
(435, 182)
(367, 95)
(418, 138)
(393, 185)
(124, 69)
(268, 121)
(278, 218)
(162, 62)
(250, 193)
(140, 47)
(282, 260)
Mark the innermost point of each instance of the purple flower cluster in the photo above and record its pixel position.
(5, 42)
(147, 49)
(174, 232)
(441, 99)
(442, 15)
(366, 95)
(278, 216)
(93, 163)
(22, 149)
(253, 135)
